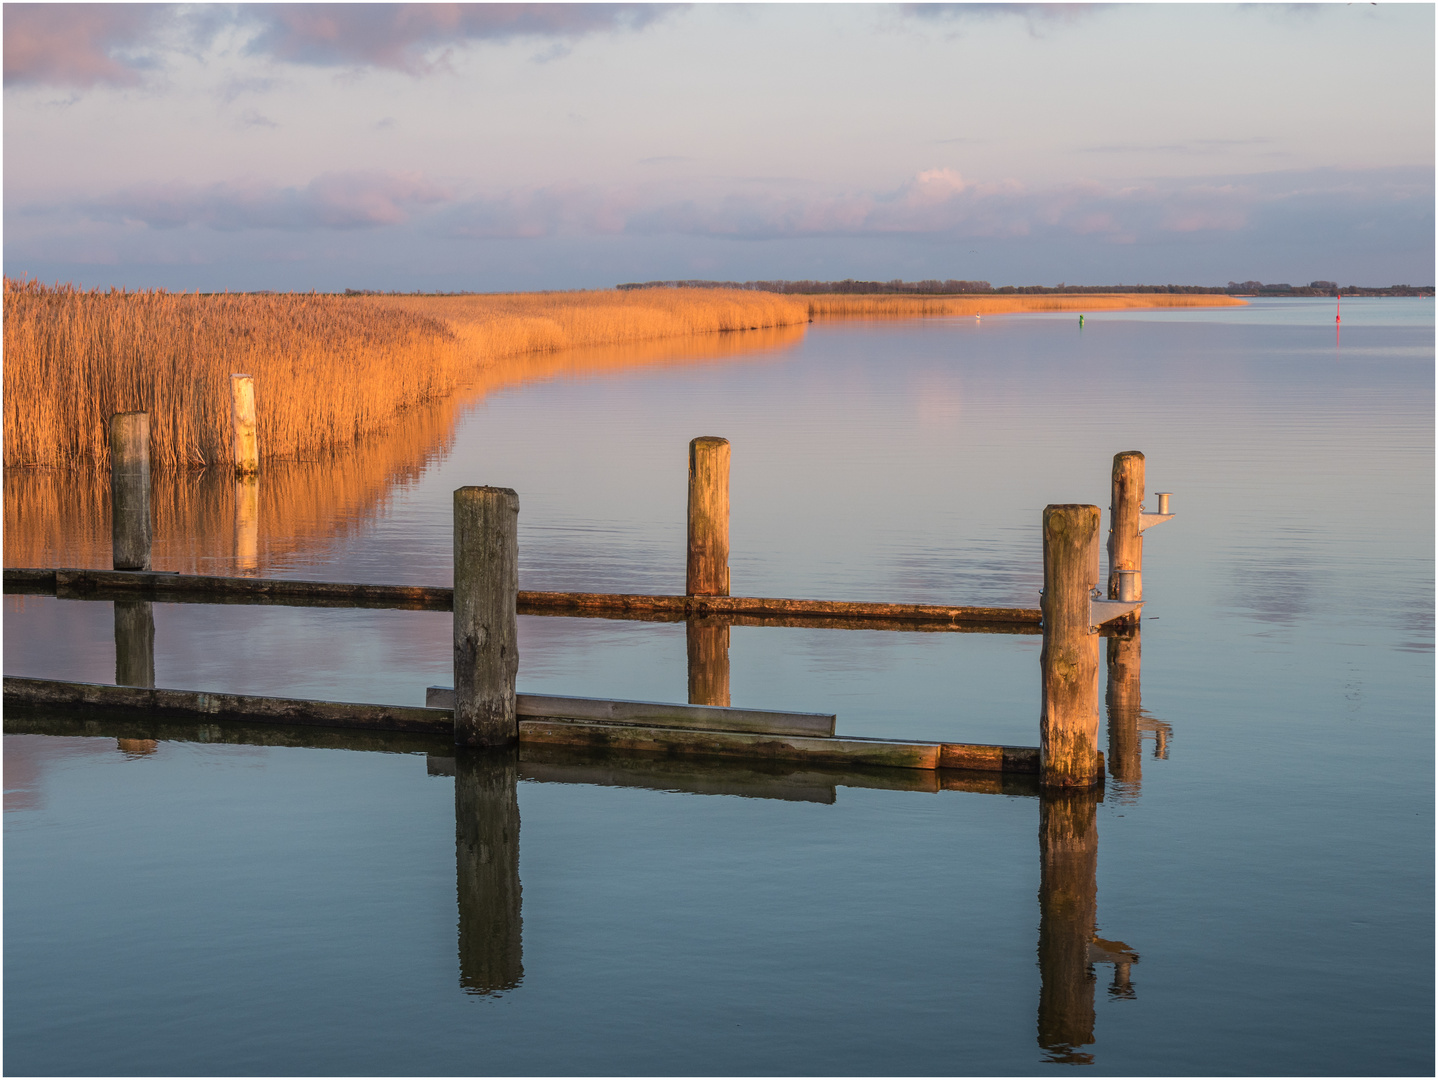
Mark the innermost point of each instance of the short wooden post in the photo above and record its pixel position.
(486, 819)
(247, 524)
(1125, 757)
(130, 528)
(134, 643)
(1068, 911)
(242, 410)
(1068, 725)
(486, 630)
(707, 642)
(1125, 542)
(708, 565)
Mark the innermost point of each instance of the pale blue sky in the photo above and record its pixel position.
(557, 146)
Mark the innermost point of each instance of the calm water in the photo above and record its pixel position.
(1265, 843)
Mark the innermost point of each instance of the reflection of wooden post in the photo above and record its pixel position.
(134, 643)
(130, 530)
(486, 630)
(486, 820)
(708, 564)
(247, 523)
(1125, 542)
(242, 411)
(1123, 699)
(1068, 908)
(708, 645)
(1068, 724)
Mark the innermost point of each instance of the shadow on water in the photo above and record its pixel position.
(206, 521)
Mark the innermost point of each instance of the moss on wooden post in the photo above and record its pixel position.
(1068, 726)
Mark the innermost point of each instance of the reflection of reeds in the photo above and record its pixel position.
(59, 517)
(844, 306)
(327, 369)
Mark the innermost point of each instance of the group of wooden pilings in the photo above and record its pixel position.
(485, 597)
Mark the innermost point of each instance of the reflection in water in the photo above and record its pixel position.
(707, 642)
(1127, 722)
(135, 659)
(486, 820)
(206, 521)
(1068, 912)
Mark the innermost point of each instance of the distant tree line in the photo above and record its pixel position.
(950, 287)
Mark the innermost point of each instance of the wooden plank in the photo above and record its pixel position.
(656, 714)
(978, 757)
(894, 754)
(297, 711)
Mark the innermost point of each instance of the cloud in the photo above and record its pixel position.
(83, 45)
(77, 44)
(355, 200)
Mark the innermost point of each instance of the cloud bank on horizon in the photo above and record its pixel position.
(455, 146)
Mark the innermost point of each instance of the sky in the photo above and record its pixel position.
(516, 146)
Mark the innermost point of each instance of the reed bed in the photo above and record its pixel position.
(879, 306)
(328, 369)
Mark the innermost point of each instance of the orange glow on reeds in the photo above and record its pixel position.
(861, 306)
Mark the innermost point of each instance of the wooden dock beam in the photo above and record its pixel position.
(1068, 724)
(707, 568)
(130, 527)
(1125, 539)
(486, 629)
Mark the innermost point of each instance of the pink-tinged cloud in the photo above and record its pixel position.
(399, 36)
(332, 201)
(74, 44)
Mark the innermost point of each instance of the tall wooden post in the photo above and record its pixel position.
(1125, 754)
(486, 834)
(247, 524)
(130, 528)
(486, 626)
(1068, 725)
(242, 411)
(1068, 911)
(1125, 542)
(134, 643)
(707, 642)
(708, 564)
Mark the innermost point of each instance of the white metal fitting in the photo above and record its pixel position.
(1130, 584)
(1147, 520)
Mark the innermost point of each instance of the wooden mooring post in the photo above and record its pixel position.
(486, 630)
(1068, 724)
(707, 569)
(707, 644)
(130, 527)
(1125, 756)
(1125, 538)
(242, 410)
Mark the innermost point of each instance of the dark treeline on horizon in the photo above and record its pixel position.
(934, 287)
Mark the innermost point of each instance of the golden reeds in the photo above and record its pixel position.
(865, 306)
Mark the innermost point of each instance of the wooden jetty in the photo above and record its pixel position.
(484, 709)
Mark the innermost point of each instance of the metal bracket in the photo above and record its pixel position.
(1147, 520)
(1106, 611)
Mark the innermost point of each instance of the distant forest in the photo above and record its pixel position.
(934, 287)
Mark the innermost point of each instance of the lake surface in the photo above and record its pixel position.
(193, 900)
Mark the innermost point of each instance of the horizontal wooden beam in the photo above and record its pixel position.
(655, 714)
(84, 584)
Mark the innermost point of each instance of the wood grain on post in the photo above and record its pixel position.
(1125, 756)
(708, 563)
(130, 528)
(486, 827)
(1125, 542)
(486, 630)
(707, 642)
(134, 643)
(242, 410)
(1068, 724)
(1068, 910)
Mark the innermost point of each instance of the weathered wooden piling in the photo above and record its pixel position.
(486, 632)
(1125, 540)
(707, 643)
(1068, 725)
(134, 643)
(1068, 911)
(486, 834)
(1125, 758)
(242, 411)
(707, 571)
(247, 524)
(130, 527)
